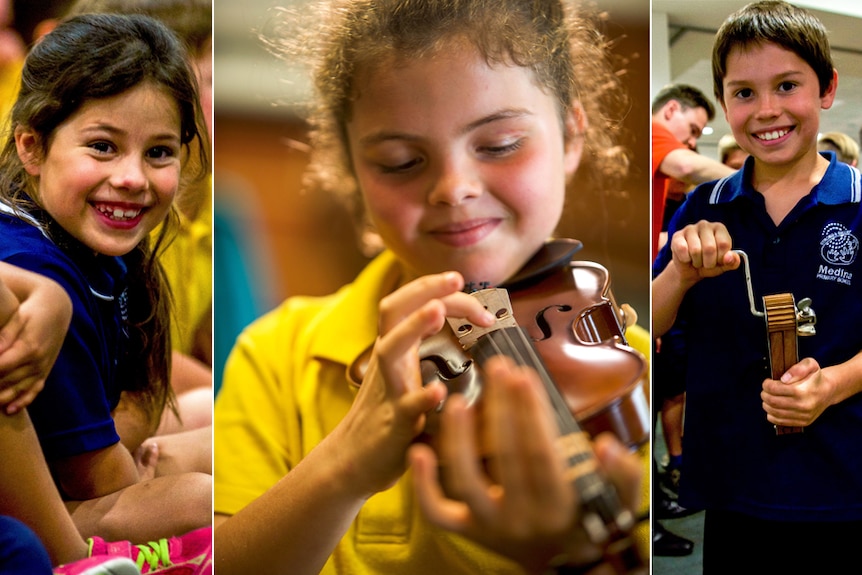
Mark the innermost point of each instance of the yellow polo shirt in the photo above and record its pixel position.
(285, 388)
(10, 82)
(188, 264)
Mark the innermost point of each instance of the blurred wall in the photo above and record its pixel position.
(305, 241)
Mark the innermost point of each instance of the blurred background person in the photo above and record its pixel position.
(846, 149)
(729, 152)
(679, 114)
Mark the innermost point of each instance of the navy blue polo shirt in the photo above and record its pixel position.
(72, 414)
(733, 459)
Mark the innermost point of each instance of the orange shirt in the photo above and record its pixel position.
(663, 143)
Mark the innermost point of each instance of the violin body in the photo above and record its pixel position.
(567, 310)
(582, 343)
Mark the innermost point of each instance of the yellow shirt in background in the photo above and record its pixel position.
(188, 262)
(10, 81)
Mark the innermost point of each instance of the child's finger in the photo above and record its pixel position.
(630, 315)
(397, 306)
(8, 306)
(7, 396)
(708, 248)
(461, 456)
(447, 513)
(679, 247)
(17, 372)
(419, 402)
(529, 466)
(445, 287)
(800, 370)
(10, 331)
(691, 241)
(397, 350)
(15, 361)
(622, 467)
(508, 406)
(721, 236)
(26, 397)
(731, 260)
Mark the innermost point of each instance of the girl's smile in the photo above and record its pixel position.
(111, 170)
(118, 216)
(465, 233)
(462, 164)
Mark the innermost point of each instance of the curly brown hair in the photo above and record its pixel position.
(562, 44)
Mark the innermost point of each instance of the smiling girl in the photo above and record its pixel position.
(457, 126)
(98, 141)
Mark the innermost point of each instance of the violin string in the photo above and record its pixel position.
(575, 448)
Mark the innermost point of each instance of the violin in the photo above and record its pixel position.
(569, 314)
(559, 317)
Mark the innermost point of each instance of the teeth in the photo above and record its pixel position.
(773, 135)
(118, 213)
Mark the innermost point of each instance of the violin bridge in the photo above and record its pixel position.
(495, 300)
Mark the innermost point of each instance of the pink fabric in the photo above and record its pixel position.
(189, 554)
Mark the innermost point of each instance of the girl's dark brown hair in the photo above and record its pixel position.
(89, 58)
(561, 44)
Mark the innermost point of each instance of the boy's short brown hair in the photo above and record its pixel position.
(774, 22)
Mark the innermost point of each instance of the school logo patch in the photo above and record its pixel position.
(123, 302)
(839, 248)
(124, 305)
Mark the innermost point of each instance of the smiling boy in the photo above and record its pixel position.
(785, 503)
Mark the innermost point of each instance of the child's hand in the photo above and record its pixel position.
(799, 397)
(389, 409)
(522, 506)
(34, 316)
(147, 460)
(703, 250)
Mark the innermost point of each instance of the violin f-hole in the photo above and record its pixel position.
(596, 324)
(542, 322)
